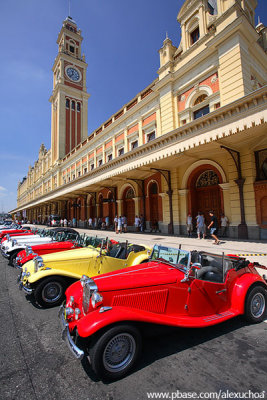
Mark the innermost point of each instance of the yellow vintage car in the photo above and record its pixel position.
(47, 277)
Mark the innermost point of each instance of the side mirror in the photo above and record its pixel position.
(195, 266)
(188, 272)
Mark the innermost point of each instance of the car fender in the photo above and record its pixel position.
(45, 273)
(15, 249)
(137, 259)
(96, 320)
(240, 290)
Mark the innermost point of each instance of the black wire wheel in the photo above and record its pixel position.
(255, 307)
(114, 353)
(12, 260)
(50, 292)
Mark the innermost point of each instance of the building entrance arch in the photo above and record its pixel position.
(153, 195)
(92, 208)
(205, 193)
(100, 206)
(129, 205)
(111, 211)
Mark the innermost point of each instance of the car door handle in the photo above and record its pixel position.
(221, 291)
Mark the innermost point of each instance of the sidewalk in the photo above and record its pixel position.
(229, 246)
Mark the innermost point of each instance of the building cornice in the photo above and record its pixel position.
(226, 121)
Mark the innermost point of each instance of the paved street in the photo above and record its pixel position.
(36, 364)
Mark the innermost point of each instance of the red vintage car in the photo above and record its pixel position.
(13, 232)
(18, 235)
(32, 251)
(175, 288)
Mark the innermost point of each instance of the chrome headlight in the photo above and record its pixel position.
(96, 298)
(38, 263)
(89, 287)
(28, 250)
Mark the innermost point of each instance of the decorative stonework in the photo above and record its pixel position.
(207, 178)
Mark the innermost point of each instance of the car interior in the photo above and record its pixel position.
(213, 268)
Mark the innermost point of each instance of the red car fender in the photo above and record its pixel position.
(241, 288)
(95, 320)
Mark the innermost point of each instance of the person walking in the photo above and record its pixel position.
(189, 225)
(200, 225)
(124, 223)
(137, 223)
(224, 224)
(119, 224)
(142, 223)
(90, 223)
(213, 226)
(116, 223)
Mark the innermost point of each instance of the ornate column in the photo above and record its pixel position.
(242, 227)
(119, 207)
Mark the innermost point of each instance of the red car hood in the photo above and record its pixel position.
(54, 245)
(3, 233)
(150, 274)
(41, 248)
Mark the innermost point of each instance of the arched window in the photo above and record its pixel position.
(153, 189)
(207, 178)
(129, 194)
(200, 98)
(194, 35)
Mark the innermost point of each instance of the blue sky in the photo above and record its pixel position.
(121, 43)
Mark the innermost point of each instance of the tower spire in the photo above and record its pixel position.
(69, 9)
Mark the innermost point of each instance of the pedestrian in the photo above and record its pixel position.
(95, 223)
(224, 224)
(90, 223)
(61, 222)
(107, 222)
(189, 224)
(137, 223)
(213, 226)
(200, 225)
(142, 223)
(124, 223)
(65, 222)
(116, 223)
(119, 224)
(74, 222)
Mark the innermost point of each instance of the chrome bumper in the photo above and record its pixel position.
(66, 336)
(24, 288)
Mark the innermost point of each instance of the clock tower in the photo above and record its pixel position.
(69, 98)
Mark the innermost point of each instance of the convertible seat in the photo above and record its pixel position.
(210, 273)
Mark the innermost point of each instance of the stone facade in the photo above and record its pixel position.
(192, 140)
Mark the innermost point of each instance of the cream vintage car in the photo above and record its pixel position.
(47, 277)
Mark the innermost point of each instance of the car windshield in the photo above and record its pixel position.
(177, 257)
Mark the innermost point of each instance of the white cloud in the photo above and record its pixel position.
(2, 189)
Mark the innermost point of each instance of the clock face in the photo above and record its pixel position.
(73, 74)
